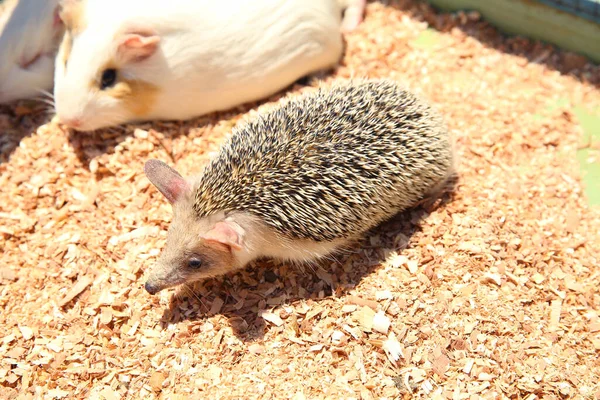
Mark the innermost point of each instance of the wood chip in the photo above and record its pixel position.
(396, 261)
(384, 295)
(393, 348)
(470, 247)
(348, 308)
(7, 273)
(316, 348)
(337, 337)
(469, 366)
(272, 318)
(109, 394)
(26, 332)
(56, 345)
(555, 309)
(216, 306)
(494, 278)
(485, 377)
(76, 290)
(413, 266)
(441, 364)
(156, 380)
(538, 278)
(381, 323)
(364, 316)
(256, 348)
(58, 393)
(363, 302)
(326, 277)
(106, 315)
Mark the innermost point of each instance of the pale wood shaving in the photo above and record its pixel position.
(381, 323)
(26, 332)
(355, 300)
(393, 348)
(76, 290)
(272, 318)
(156, 380)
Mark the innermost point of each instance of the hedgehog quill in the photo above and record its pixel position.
(301, 181)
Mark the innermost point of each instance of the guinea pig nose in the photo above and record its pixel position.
(72, 122)
(150, 288)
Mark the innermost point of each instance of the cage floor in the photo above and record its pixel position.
(492, 293)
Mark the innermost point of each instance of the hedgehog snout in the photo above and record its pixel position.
(152, 288)
(162, 277)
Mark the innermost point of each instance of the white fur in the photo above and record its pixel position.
(259, 240)
(213, 55)
(29, 30)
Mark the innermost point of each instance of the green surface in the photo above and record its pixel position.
(591, 175)
(427, 40)
(590, 123)
(552, 106)
(536, 20)
(589, 156)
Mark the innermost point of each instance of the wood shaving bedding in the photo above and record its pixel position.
(492, 294)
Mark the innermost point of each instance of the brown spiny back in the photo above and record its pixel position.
(330, 164)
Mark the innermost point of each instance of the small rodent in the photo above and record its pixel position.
(30, 32)
(300, 181)
(138, 60)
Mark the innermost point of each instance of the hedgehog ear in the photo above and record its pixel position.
(227, 233)
(166, 179)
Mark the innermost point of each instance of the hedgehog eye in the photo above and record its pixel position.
(109, 76)
(194, 262)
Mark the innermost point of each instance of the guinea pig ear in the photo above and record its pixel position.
(70, 13)
(136, 45)
(57, 20)
(166, 179)
(226, 233)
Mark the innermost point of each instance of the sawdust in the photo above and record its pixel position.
(492, 294)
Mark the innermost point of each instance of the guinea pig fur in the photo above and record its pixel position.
(139, 60)
(29, 39)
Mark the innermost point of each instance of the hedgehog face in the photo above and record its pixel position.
(196, 248)
(187, 264)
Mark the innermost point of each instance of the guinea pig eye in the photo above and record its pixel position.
(109, 76)
(194, 263)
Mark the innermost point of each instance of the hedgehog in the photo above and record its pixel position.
(302, 181)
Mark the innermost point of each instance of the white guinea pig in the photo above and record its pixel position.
(137, 60)
(29, 40)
